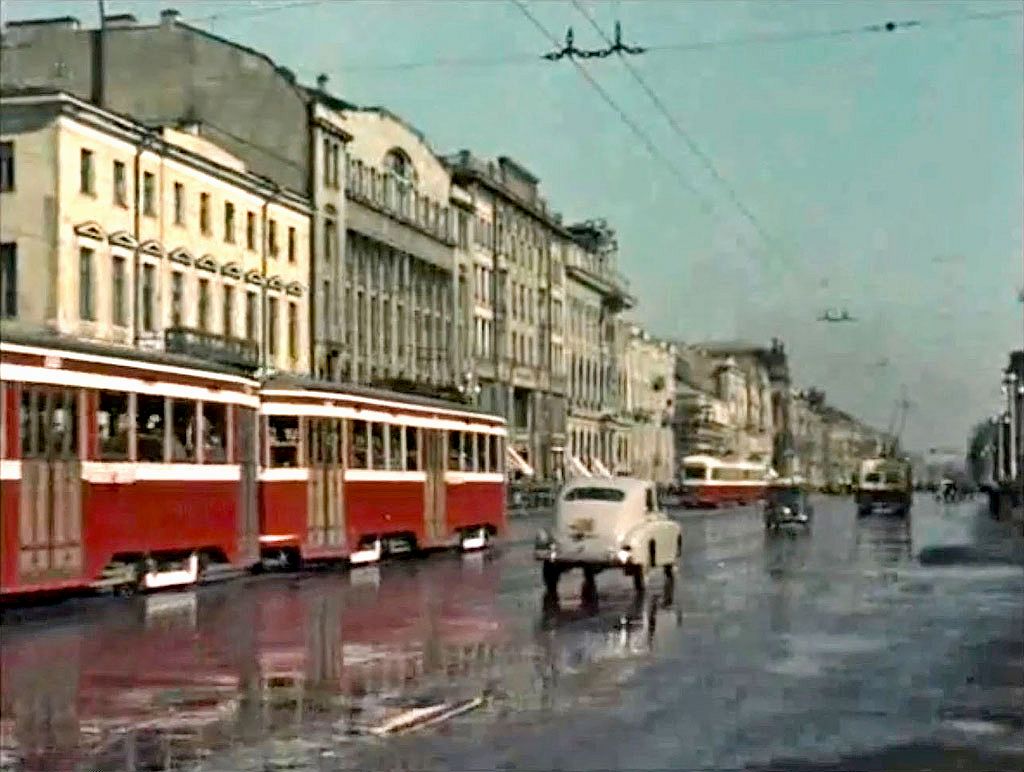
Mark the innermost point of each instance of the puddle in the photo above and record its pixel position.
(977, 727)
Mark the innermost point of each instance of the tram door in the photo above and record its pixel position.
(435, 505)
(326, 505)
(246, 422)
(50, 516)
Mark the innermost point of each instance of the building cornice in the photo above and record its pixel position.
(150, 139)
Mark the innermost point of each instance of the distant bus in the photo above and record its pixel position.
(884, 484)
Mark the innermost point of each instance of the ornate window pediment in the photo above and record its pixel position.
(275, 283)
(152, 248)
(232, 270)
(254, 277)
(295, 289)
(122, 239)
(207, 263)
(90, 230)
(181, 256)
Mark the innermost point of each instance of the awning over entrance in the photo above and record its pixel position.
(577, 468)
(518, 463)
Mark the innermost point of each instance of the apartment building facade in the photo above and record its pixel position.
(158, 238)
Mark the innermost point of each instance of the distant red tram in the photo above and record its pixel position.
(146, 470)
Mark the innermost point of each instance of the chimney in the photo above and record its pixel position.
(169, 17)
(321, 82)
(120, 21)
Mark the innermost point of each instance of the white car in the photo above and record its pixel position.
(608, 523)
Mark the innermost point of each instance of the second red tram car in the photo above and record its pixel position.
(140, 471)
(359, 473)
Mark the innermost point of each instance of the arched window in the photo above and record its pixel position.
(397, 163)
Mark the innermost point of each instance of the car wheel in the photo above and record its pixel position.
(551, 574)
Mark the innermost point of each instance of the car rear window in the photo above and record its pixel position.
(595, 494)
(873, 477)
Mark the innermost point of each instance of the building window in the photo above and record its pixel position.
(272, 238)
(204, 213)
(293, 333)
(9, 280)
(6, 166)
(250, 230)
(85, 294)
(291, 245)
(179, 204)
(251, 305)
(118, 276)
(272, 327)
(229, 222)
(330, 240)
(327, 306)
(327, 162)
(229, 310)
(148, 296)
(204, 304)
(86, 178)
(148, 194)
(177, 298)
(120, 184)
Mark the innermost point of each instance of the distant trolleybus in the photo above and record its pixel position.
(884, 484)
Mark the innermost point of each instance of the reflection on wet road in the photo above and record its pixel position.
(787, 646)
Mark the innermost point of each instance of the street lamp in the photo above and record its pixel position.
(1010, 390)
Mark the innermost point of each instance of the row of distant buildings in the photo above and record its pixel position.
(737, 400)
(169, 189)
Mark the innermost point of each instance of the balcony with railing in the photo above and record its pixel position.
(222, 349)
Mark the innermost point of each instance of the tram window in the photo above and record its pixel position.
(183, 431)
(313, 454)
(379, 460)
(494, 453)
(395, 457)
(412, 445)
(474, 455)
(215, 433)
(873, 477)
(149, 427)
(330, 440)
(113, 425)
(454, 451)
(694, 472)
(357, 453)
(29, 419)
(64, 424)
(485, 453)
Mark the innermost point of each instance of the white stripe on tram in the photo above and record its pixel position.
(327, 395)
(284, 474)
(457, 478)
(383, 475)
(123, 472)
(341, 411)
(17, 348)
(73, 378)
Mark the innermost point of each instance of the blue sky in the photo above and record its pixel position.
(887, 168)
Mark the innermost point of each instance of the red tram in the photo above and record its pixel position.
(149, 470)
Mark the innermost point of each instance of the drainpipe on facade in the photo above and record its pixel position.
(264, 293)
(140, 146)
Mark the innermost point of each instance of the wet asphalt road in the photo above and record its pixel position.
(869, 644)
